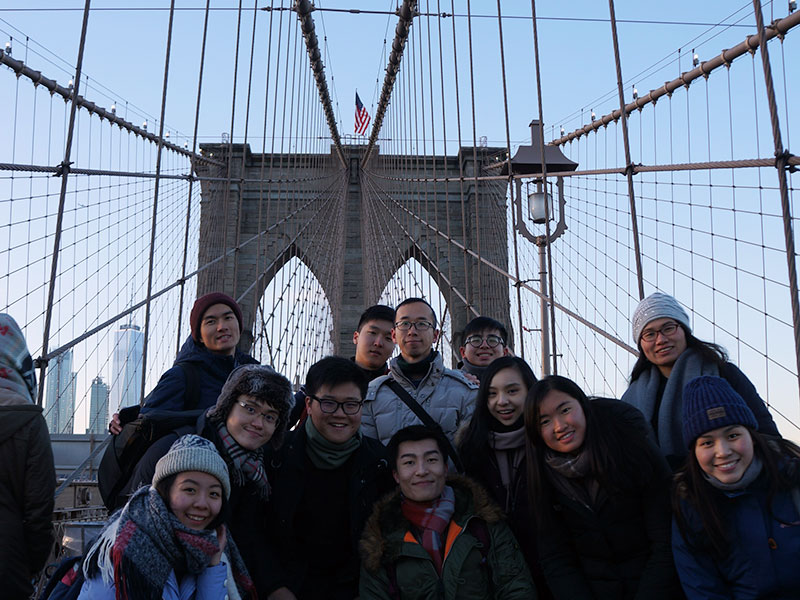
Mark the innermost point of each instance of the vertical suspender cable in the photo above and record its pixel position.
(781, 164)
(623, 117)
(159, 149)
(61, 201)
(191, 182)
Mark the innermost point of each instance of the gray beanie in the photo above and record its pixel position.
(658, 306)
(193, 453)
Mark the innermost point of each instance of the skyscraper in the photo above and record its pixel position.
(60, 407)
(98, 407)
(126, 382)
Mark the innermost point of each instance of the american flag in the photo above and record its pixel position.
(362, 117)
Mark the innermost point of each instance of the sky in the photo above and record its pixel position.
(124, 66)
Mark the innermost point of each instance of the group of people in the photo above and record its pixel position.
(401, 478)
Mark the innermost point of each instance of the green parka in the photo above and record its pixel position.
(387, 546)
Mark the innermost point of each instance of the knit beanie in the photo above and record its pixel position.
(709, 403)
(658, 306)
(264, 384)
(202, 304)
(193, 453)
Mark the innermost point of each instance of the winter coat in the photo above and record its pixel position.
(517, 507)
(208, 585)
(213, 370)
(388, 545)
(446, 395)
(27, 489)
(652, 389)
(287, 470)
(619, 547)
(764, 558)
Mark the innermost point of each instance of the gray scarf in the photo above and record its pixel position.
(571, 476)
(750, 475)
(643, 394)
(509, 450)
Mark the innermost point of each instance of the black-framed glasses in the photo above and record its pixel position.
(418, 325)
(349, 407)
(268, 417)
(667, 329)
(491, 340)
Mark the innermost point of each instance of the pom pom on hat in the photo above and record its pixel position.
(709, 403)
(193, 453)
(657, 306)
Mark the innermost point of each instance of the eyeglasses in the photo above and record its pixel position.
(349, 407)
(649, 335)
(269, 418)
(476, 341)
(418, 325)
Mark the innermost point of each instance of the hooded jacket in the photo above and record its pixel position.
(169, 393)
(764, 552)
(27, 488)
(388, 545)
(446, 395)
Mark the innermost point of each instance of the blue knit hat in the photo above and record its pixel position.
(709, 403)
(658, 306)
(193, 453)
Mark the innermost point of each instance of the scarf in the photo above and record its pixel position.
(415, 372)
(509, 450)
(571, 475)
(431, 519)
(325, 454)
(750, 474)
(17, 376)
(468, 367)
(144, 541)
(247, 464)
(643, 394)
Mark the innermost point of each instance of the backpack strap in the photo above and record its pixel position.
(191, 372)
(426, 419)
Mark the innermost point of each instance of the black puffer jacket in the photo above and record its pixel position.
(619, 546)
(27, 488)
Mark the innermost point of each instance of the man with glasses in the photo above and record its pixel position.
(446, 395)
(484, 340)
(324, 480)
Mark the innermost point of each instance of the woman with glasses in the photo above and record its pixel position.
(492, 449)
(669, 357)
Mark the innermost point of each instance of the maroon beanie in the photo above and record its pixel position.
(203, 303)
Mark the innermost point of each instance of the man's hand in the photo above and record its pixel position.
(472, 378)
(283, 593)
(115, 427)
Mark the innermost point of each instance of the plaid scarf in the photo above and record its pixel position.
(431, 519)
(246, 464)
(144, 541)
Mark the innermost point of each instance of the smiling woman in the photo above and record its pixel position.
(600, 492)
(736, 510)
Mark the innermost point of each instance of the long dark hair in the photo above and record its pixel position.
(472, 443)
(691, 486)
(617, 459)
(708, 351)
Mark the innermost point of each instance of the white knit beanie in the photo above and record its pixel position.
(658, 306)
(193, 453)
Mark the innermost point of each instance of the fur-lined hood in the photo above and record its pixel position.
(386, 527)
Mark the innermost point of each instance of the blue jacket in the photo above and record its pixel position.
(214, 370)
(764, 559)
(211, 584)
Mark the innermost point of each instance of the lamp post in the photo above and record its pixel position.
(533, 161)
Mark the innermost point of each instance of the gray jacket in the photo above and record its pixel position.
(446, 395)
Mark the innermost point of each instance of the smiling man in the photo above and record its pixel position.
(325, 481)
(485, 339)
(438, 536)
(446, 395)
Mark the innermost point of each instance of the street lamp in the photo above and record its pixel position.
(528, 161)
